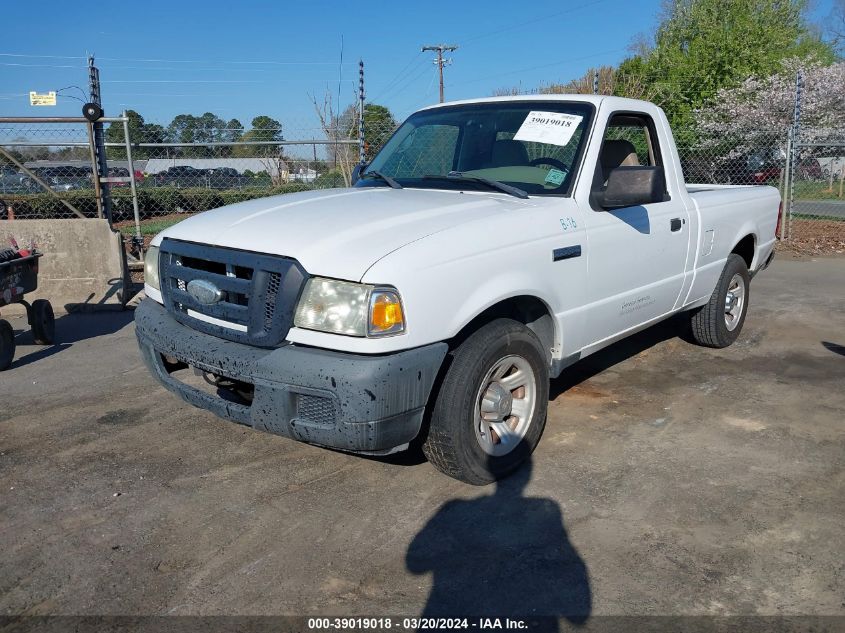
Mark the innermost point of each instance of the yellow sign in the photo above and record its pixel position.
(48, 99)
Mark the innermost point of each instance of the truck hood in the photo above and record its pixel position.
(339, 232)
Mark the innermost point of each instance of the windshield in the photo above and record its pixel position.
(534, 146)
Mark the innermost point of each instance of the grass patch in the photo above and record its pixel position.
(816, 191)
(149, 227)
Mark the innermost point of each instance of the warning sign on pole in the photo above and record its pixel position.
(43, 99)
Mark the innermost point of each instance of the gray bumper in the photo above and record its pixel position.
(347, 401)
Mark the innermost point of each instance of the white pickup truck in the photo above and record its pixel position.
(489, 245)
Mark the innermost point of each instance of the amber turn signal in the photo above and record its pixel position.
(386, 315)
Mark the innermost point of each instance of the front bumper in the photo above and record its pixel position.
(346, 401)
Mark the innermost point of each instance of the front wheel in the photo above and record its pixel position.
(719, 322)
(491, 407)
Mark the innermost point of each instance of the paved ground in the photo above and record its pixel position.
(828, 208)
(671, 479)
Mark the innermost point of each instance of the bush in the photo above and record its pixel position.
(332, 178)
(152, 202)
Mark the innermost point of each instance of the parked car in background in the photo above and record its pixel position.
(65, 177)
(14, 181)
(805, 169)
(734, 171)
(226, 178)
(182, 176)
(123, 172)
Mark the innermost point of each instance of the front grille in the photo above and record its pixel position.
(257, 297)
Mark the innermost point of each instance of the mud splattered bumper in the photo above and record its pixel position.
(347, 401)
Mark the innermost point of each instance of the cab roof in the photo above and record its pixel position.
(616, 103)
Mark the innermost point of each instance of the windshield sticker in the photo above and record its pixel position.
(555, 177)
(553, 128)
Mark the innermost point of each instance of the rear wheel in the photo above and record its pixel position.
(491, 407)
(7, 345)
(43, 322)
(719, 322)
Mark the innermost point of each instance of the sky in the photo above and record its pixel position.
(242, 59)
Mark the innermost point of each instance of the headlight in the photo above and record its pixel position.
(342, 307)
(151, 268)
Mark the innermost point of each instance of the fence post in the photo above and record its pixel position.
(787, 176)
(795, 133)
(138, 241)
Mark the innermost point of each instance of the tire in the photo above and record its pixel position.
(7, 345)
(460, 442)
(712, 324)
(43, 322)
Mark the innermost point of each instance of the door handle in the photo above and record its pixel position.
(675, 224)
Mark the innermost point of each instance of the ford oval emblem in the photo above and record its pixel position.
(204, 292)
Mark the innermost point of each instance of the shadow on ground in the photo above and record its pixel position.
(502, 555)
(833, 347)
(70, 329)
(674, 327)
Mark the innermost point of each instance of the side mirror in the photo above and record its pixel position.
(356, 171)
(632, 187)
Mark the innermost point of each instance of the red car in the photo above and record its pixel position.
(806, 169)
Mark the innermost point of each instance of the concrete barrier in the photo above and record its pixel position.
(84, 265)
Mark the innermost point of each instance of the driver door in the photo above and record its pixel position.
(637, 254)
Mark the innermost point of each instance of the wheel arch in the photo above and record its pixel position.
(747, 249)
(527, 309)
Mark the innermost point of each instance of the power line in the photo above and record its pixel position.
(38, 65)
(545, 18)
(410, 79)
(558, 63)
(175, 61)
(440, 49)
(211, 81)
(390, 83)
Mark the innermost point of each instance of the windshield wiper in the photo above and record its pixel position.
(493, 184)
(381, 176)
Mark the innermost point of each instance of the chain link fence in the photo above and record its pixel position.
(815, 194)
(46, 171)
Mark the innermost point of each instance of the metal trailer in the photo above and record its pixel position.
(17, 277)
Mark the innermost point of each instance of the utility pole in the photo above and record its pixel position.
(440, 49)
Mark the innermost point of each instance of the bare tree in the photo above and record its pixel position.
(836, 26)
(339, 128)
(610, 82)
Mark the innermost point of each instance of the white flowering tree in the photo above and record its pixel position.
(763, 107)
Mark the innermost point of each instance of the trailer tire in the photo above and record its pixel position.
(43, 322)
(713, 325)
(490, 410)
(7, 344)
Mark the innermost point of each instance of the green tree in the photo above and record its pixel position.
(702, 46)
(379, 124)
(264, 129)
(139, 132)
